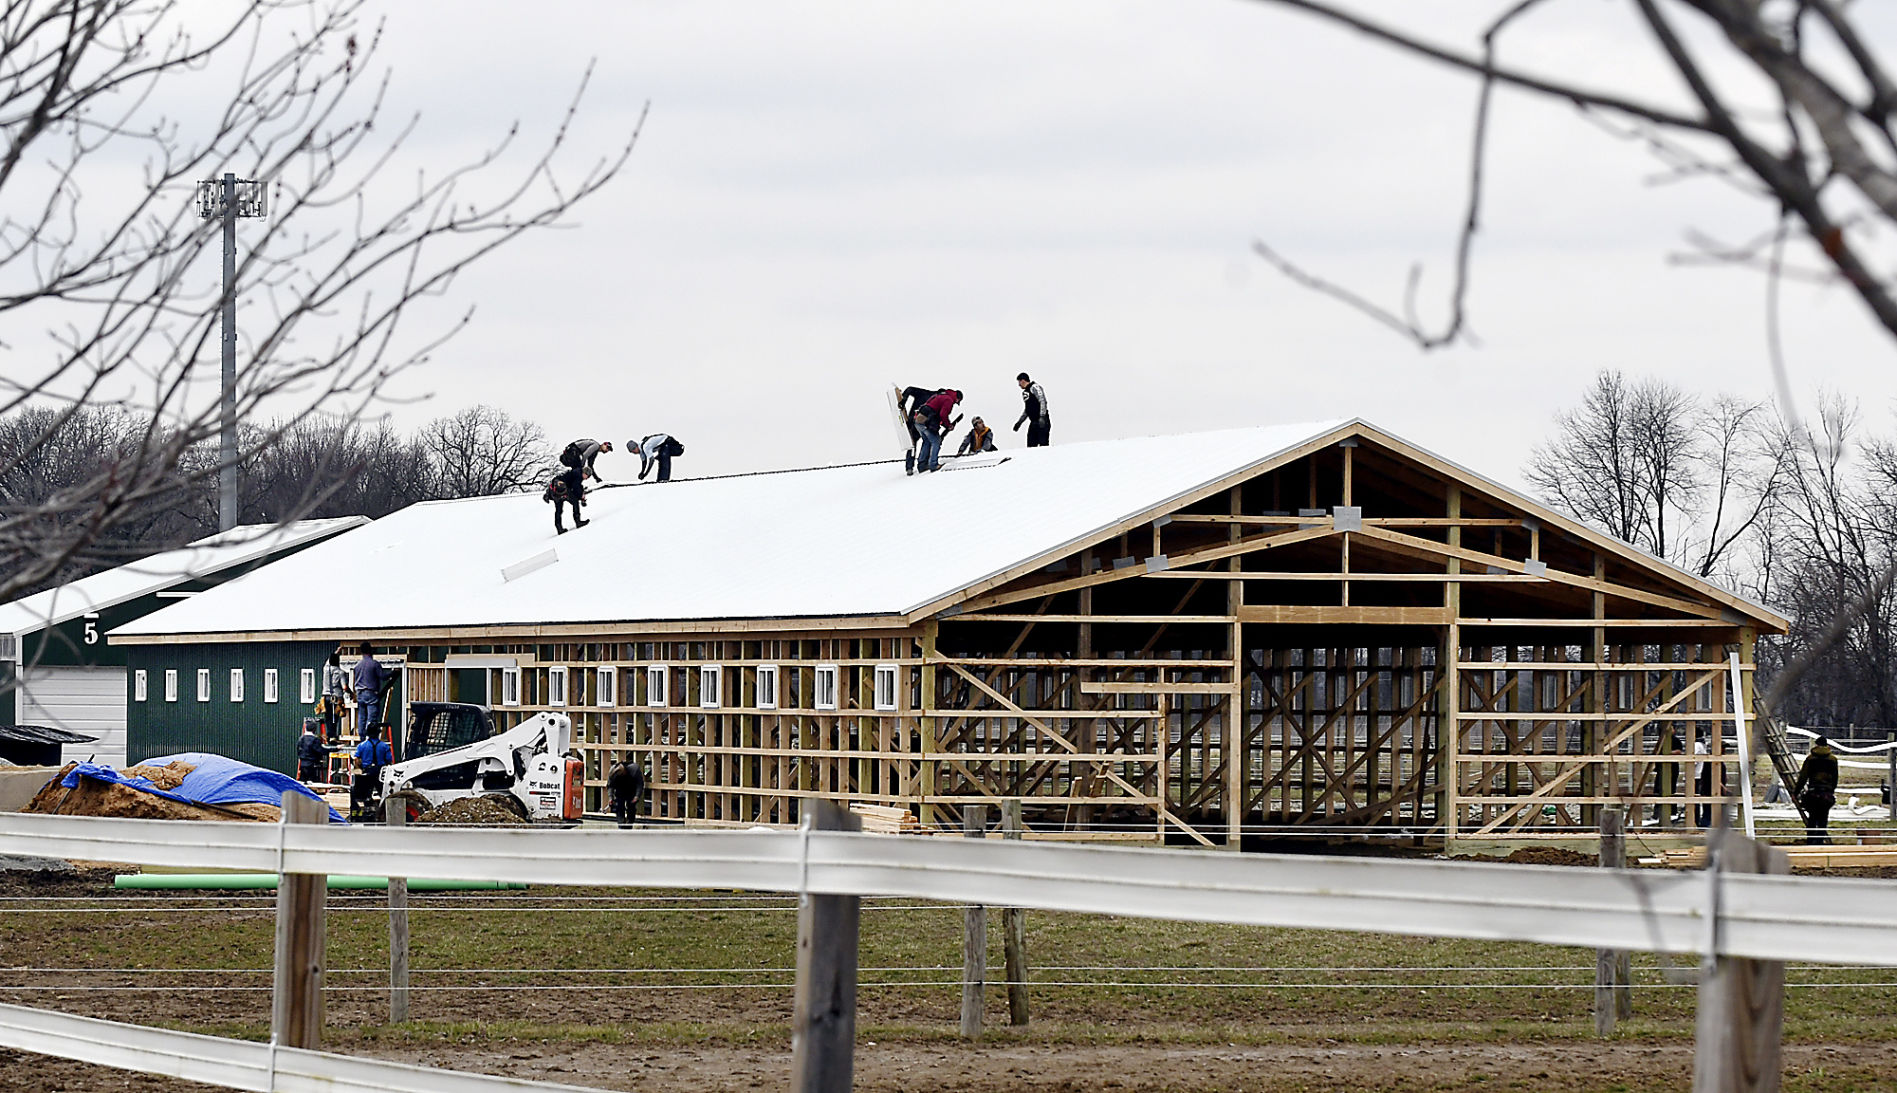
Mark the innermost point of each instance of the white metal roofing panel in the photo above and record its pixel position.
(202, 558)
(837, 541)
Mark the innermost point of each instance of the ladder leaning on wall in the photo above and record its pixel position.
(1776, 745)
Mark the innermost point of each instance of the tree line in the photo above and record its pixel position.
(1800, 515)
(313, 467)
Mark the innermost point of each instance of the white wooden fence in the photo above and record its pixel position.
(1721, 915)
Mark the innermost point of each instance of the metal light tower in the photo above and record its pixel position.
(227, 199)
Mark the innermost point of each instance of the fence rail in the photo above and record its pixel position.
(1715, 913)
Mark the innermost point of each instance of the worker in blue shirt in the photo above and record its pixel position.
(371, 756)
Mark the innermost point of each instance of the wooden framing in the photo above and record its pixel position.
(1350, 635)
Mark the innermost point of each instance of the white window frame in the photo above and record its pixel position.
(306, 686)
(510, 686)
(204, 684)
(657, 676)
(556, 685)
(886, 685)
(270, 685)
(711, 686)
(171, 684)
(767, 692)
(606, 685)
(237, 684)
(139, 684)
(829, 686)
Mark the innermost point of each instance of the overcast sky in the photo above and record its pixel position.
(832, 196)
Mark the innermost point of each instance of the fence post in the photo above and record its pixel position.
(296, 1011)
(974, 935)
(1892, 776)
(1741, 1002)
(1014, 930)
(398, 934)
(1613, 968)
(823, 1021)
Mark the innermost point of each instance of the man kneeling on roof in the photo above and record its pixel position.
(980, 438)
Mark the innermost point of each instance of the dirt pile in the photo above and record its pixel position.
(472, 810)
(1550, 855)
(92, 797)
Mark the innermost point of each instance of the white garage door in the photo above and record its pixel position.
(87, 700)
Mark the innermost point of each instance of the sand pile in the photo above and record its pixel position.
(471, 810)
(92, 797)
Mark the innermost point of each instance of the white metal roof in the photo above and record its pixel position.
(202, 558)
(852, 541)
(834, 541)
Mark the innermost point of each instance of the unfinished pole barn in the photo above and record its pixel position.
(1186, 639)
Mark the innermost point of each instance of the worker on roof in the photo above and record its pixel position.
(980, 438)
(934, 421)
(567, 488)
(657, 450)
(581, 453)
(911, 400)
(1033, 411)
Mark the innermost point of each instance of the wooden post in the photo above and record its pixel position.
(974, 935)
(823, 1020)
(1613, 995)
(927, 728)
(1014, 931)
(1741, 1002)
(398, 933)
(296, 1011)
(1448, 720)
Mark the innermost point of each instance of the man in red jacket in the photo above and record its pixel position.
(933, 421)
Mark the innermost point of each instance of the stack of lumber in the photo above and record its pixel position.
(1803, 857)
(887, 820)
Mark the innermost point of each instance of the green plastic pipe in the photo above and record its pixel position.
(266, 882)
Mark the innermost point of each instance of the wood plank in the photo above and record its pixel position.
(1147, 620)
(1589, 624)
(1152, 689)
(1014, 931)
(974, 937)
(1328, 615)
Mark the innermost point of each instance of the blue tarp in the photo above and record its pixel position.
(218, 780)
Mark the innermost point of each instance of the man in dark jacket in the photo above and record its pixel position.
(580, 455)
(1033, 411)
(312, 758)
(909, 402)
(627, 784)
(936, 418)
(1817, 790)
(372, 680)
(567, 488)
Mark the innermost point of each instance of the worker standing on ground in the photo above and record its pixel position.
(933, 422)
(372, 678)
(371, 756)
(1817, 790)
(658, 449)
(581, 453)
(312, 758)
(1702, 783)
(627, 784)
(980, 438)
(1033, 411)
(567, 488)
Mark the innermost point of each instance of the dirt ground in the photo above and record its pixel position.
(1161, 1041)
(998, 1067)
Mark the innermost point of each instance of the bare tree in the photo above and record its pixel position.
(1821, 156)
(1627, 460)
(482, 450)
(104, 294)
